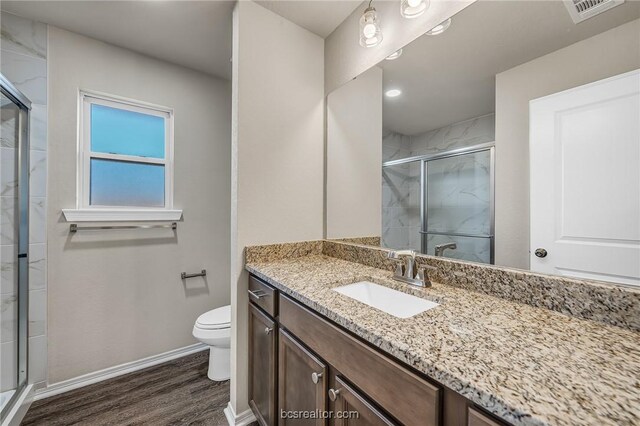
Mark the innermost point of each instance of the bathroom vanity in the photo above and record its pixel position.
(302, 362)
(445, 148)
(474, 359)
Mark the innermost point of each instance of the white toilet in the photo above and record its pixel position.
(213, 328)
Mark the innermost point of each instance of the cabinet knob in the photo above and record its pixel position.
(540, 252)
(333, 394)
(267, 330)
(315, 377)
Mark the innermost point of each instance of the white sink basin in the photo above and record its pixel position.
(391, 301)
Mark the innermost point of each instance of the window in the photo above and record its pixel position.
(125, 161)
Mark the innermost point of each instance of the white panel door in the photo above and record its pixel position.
(585, 181)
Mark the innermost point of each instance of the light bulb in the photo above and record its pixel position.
(413, 8)
(369, 30)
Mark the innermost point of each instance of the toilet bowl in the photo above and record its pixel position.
(213, 328)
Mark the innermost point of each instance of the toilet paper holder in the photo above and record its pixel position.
(202, 273)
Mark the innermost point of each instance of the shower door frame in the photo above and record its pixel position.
(424, 160)
(22, 373)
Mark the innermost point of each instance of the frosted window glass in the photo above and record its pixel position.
(118, 131)
(121, 183)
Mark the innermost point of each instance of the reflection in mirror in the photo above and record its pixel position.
(473, 164)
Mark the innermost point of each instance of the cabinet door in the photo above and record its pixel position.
(352, 408)
(407, 397)
(262, 366)
(302, 384)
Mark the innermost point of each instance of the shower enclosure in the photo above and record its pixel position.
(14, 244)
(443, 200)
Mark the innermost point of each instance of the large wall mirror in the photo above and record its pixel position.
(509, 135)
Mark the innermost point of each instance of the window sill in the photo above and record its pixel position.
(119, 215)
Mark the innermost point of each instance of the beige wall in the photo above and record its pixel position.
(117, 296)
(613, 52)
(345, 58)
(277, 153)
(354, 157)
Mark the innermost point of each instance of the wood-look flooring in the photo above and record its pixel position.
(177, 392)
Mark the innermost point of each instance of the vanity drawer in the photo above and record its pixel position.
(476, 418)
(403, 394)
(263, 295)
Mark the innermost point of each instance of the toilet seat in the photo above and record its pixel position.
(215, 319)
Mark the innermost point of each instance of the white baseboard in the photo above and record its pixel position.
(118, 370)
(242, 419)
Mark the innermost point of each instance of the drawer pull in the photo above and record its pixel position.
(315, 377)
(258, 294)
(268, 330)
(333, 394)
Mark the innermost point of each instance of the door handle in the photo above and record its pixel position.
(268, 330)
(540, 252)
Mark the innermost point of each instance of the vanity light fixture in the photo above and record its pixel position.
(440, 28)
(392, 93)
(370, 32)
(395, 55)
(413, 8)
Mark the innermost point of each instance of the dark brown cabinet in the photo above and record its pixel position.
(263, 357)
(306, 370)
(352, 408)
(264, 296)
(409, 398)
(302, 384)
(476, 418)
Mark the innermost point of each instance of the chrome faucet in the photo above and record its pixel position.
(406, 268)
(409, 262)
(440, 248)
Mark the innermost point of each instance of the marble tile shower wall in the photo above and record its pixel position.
(400, 194)
(466, 133)
(401, 184)
(23, 60)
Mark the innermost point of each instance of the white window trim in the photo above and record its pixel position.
(84, 212)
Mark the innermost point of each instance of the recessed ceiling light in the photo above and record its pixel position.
(440, 28)
(392, 93)
(394, 55)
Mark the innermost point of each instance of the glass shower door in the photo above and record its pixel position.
(459, 206)
(14, 195)
(401, 206)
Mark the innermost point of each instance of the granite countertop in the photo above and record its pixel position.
(527, 365)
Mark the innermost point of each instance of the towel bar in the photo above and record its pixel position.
(75, 228)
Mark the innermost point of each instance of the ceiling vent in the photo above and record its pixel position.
(585, 9)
